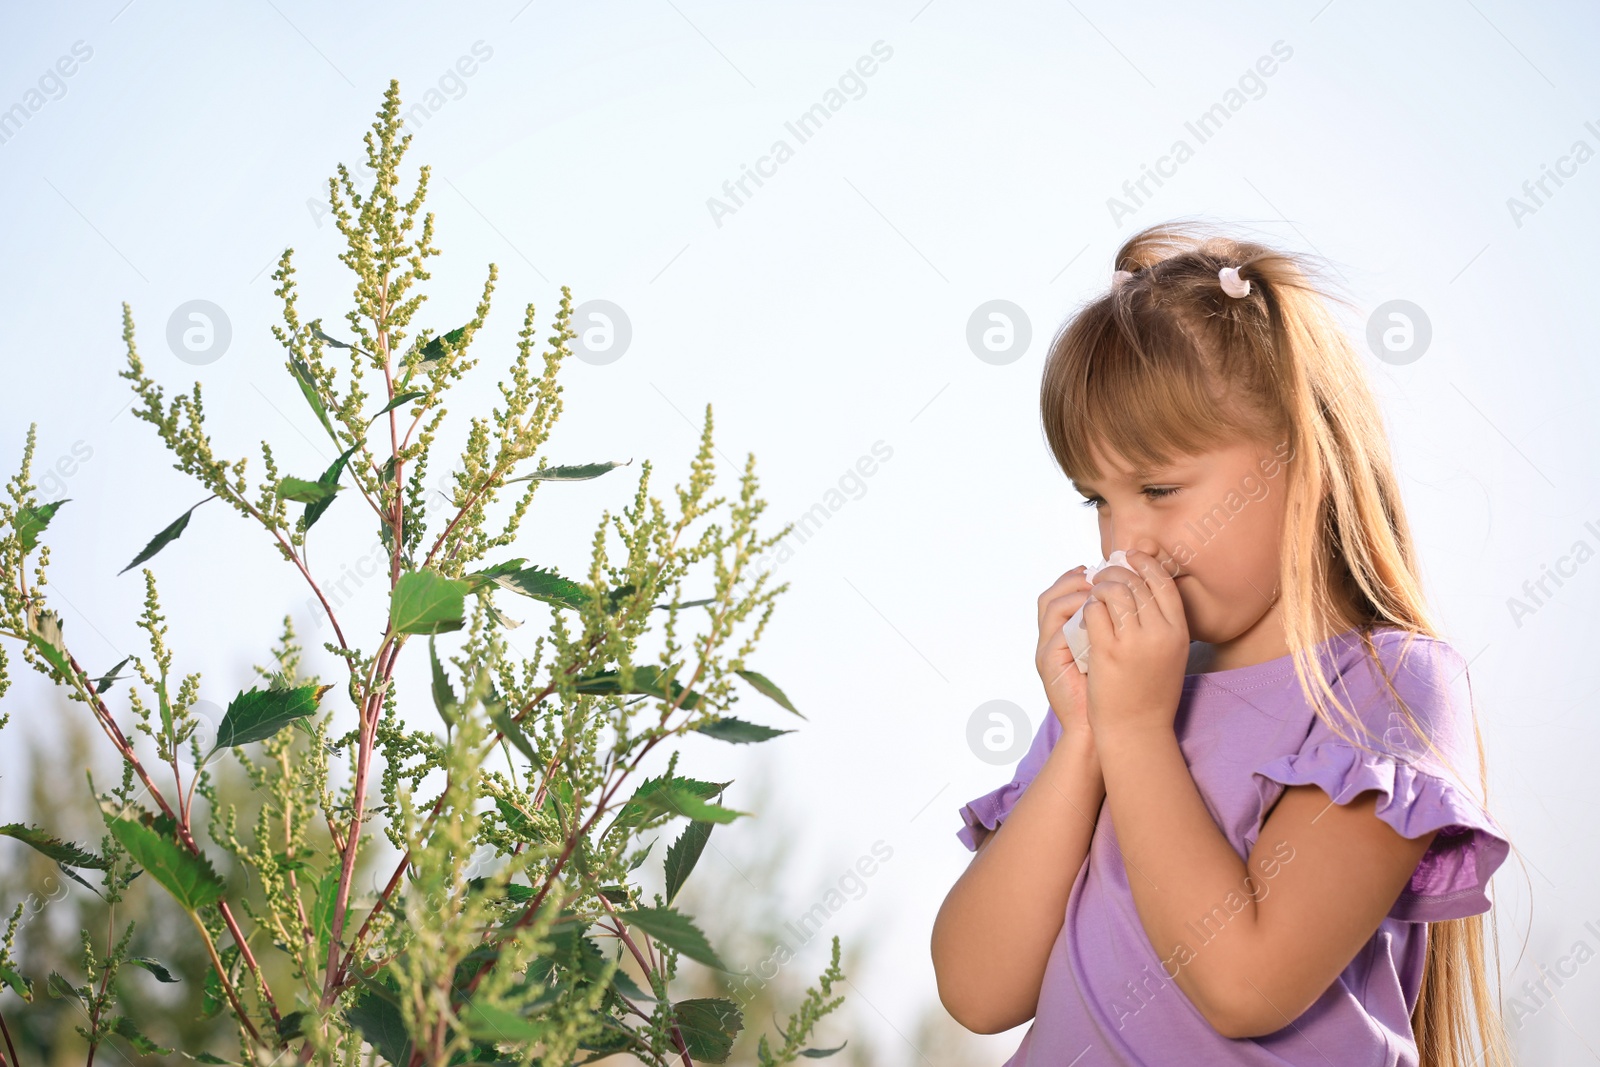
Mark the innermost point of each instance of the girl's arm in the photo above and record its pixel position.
(1251, 944)
(1321, 878)
(995, 930)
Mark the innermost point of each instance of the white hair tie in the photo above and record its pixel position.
(1232, 284)
(1118, 277)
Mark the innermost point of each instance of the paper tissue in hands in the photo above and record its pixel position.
(1077, 636)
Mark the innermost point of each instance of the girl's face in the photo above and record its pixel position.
(1214, 519)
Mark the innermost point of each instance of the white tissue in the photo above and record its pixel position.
(1077, 636)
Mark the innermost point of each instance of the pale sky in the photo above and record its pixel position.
(165, 154)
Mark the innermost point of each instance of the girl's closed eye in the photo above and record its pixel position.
(1154, 492)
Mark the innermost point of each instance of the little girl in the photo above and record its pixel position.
(1245, 834)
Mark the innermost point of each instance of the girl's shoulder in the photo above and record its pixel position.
(1420, 700)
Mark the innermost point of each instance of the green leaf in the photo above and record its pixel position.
(76, 877)
(213, 999)
(820, 1053)
(30, 522)
(426, 602)
(304, 492)
(518, 822)
(44, 632)
(258, 714)
(489, 1023)
(684, 854)
(708, 1026)
(143, 1045)
(647, 679)
(434, 350)
(675, 930)
(535, 582)
(111, 676)
(738, 731)
(322, 910)
(23, 987)
(162, 539)
(189, 878)
(444, 697)
(58, 850)
(316, 331)
(399, 399)
(674, 796)
(579, 472)
(380, 1023)
(207, 1057)
(62, 989)
(766, 688)
(308, 388)
(330, 477)
(154, 967)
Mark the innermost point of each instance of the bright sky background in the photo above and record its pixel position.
(825, 316)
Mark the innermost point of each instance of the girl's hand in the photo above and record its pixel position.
(1064, 684)
(1139, 647)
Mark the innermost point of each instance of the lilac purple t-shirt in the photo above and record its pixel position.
(1246, 734)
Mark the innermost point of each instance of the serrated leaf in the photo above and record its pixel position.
(44, 633)
(648, 680)
(444, 697)
(675, 930)
(738, 731)
(434, 350)
(708, 1026)
(536, 582)
(684, 853)
(57, 849)
(258, 714)
(62, 989)
(111, 676)
(330, 477)
(501, 718)
(304, 492)
(190, 879)
(162, 539)
(322, 910)
(31, 521)
(126, 1030)
(76, 877)
(577, 472)
(380, 1023)
(206, 1057)
(767, 689)
(316, 331)
(673, 796)
(426, 602)
(399, 399)
(638, 861)
(23, 987)
(155, 967)
(308, 388)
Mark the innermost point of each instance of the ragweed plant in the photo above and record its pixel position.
(533, 762)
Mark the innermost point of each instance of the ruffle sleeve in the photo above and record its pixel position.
(990, 809)
(1417, 792)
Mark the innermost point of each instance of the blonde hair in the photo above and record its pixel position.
(1166, 364)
